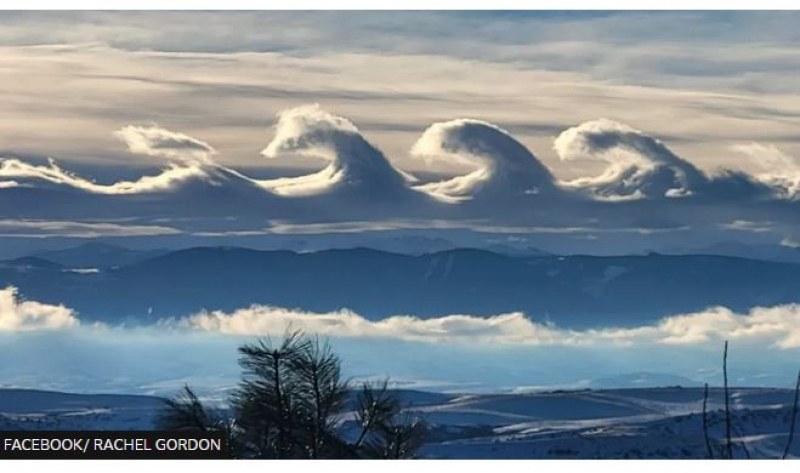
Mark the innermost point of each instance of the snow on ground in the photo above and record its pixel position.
(611, 423)
(26, 409)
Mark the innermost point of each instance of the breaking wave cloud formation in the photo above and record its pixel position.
(353, 161)
(639, 166)
(22, 174)
(505, 165)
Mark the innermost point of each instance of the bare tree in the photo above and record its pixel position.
(705, 423)
(398, 438)
(375, 406)
(321, 395)
(265, 399)
(793, 421)
(387, 431)
(728, 424)
(291, 404)
(186, 413)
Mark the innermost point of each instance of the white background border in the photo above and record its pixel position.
(418, 466)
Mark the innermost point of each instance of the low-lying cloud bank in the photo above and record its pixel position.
(777, 326)
(19, 315)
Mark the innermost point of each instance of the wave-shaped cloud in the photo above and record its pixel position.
(639, 165)
(159, 142)
(18, 315)
(360, 184)
(188, 159)
(779, 326)
(506, 165)
(23, 174)
(780, 171)
(354, 162)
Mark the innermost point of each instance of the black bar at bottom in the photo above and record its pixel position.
(128, 445)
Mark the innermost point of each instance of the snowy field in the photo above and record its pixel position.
(623, 423)
(25, 409)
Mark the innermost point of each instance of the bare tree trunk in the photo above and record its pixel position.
(281, 406)
(743, 444)
(705, 423)
(794, 419)
(728, 425)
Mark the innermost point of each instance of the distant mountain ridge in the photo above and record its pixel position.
(571, 291)
(96, 255)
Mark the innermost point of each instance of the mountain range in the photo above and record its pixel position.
(571, 291)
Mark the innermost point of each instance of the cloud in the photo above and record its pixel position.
(778, 326)
(354, 162)
(159, 142)
(778, 170)
(639, 166)
(790, 242)
(279, 227)
(189, 159)
(18, 315)
(48, 228)
(510, 189)
(505, 165)
(30, 175)
(749, 226)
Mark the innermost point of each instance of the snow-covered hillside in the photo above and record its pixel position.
(609, 423)
(625, 423)
(25, 409)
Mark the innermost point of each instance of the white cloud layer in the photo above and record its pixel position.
(18, 315)
(58, 228)
(777, 326)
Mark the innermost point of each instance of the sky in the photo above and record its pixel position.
(701, 81)
(602, 125)
(574, 132)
